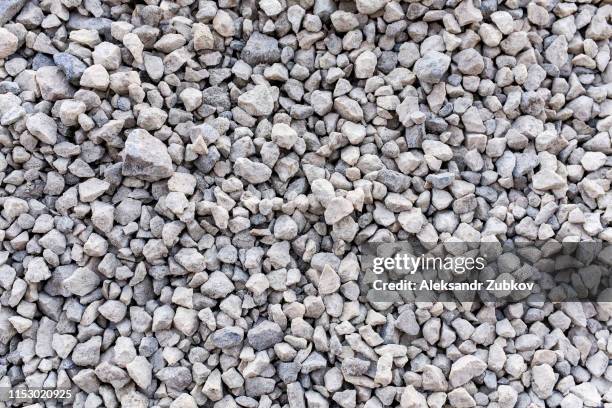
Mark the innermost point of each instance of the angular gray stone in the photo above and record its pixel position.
(466, 368)
(140, 370)
(469, 62)
(87, 354)
(411, 398)
(264, 335)
(543, 380)
(177, 378)
(8, 43)
(547, 179)
(431, 67)
(37, 271)
(9, 9)
(91, 189)
(329, 281)
(44, 338)
(260, 49)
(253, 172)
(145, 157)
(337, 209)
(257, 101)
(228, 337)
(217, 286)
(82, 281)
(42, 127)
(370, 6)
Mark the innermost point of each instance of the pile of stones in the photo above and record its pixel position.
(185, 187)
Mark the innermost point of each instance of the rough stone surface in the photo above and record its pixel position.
(191, 191)
(145, 157)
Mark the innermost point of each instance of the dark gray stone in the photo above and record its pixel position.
(9, 9)
(260, 49)
(265, 335)
(72, 67)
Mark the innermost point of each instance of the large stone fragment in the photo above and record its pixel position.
(370, 6)
(431, 67)
(407, 323)
(547, 179)
(411, 398)
(42, 127)
(217, 286)
(469, 62)
(365, 64)
(338, 208)
(9, 9)
(407, 109)
(466, 368)
(63, 344)
(8, 43)
(53, 84)
(146, 157)
(82, 281)
(348, 108)
(260, 49)
(257, 102)
(467, 13)
(265, 335)
(91, 189)
(151, 118)
(87, 354)
(95, 77)
(434, 379)
(72, 67)
(140, 370)
(191, 259)
(460, 398)
(202, 37)
(177, 378)
(329, 281)
(44, 338)
(284, 136)
(251, 171)
(588, 394)
(228, 337)
(556, 53)
(113, 310)
(543, 380)
(323, 191)
(37, 271)
(14, 207)
(7, 331)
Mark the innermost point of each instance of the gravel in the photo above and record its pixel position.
(186, 188)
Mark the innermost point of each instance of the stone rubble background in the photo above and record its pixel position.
(185, 186)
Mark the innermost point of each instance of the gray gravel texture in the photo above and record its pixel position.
(185, 186)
